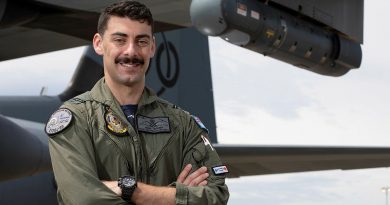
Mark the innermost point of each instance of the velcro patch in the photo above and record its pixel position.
(220, 170)
(58, 121)
(153, 124)
(76, 101)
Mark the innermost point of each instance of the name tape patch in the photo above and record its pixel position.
(220, 170)
(153, 124)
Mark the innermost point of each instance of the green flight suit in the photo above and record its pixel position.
(87, 151)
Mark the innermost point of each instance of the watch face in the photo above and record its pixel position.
(128, 181)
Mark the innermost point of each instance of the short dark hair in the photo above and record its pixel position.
(130, 9)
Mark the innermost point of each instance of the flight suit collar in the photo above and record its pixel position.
(102, 93)
(148, 97)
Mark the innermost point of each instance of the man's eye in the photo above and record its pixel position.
(143, 43)
(119, 40)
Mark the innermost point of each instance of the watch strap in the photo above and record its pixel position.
(127, 191)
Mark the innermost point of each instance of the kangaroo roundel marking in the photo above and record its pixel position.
(167, 78)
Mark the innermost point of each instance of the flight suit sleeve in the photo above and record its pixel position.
(73, 161)
(199, 153)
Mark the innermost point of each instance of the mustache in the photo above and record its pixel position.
(126, 60)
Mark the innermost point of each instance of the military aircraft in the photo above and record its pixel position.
(322, 37)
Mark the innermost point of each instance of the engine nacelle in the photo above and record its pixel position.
(277, 33)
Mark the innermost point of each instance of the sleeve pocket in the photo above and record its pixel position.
(199, 154)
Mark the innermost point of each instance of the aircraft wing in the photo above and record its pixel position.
(34, 27)
(322, 37)
(241, 160)
(258, 160)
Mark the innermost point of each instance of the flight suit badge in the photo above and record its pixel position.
(58, 121)
(200, 123)
(114, 124)
(219, 170)
(153, 124)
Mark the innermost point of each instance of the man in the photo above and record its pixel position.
(119, 143)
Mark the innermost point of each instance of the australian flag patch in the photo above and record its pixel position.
(218, 170)
(200, 123)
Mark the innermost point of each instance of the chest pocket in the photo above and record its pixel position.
(165, 158)
(163, 149)
(159, 144)
(110, 156)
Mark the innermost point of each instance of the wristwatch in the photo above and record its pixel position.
(128, 184)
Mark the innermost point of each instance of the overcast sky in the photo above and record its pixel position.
(262, 101)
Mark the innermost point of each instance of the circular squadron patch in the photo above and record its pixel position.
(114, 124)
(58, 121)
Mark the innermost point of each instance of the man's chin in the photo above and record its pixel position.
(131, 82)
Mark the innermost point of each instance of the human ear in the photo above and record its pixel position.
(97, 43)
(153, 49)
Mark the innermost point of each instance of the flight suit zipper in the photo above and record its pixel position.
(136, 147)
(143, 152)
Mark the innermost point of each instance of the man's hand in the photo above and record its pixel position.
(113, 185)
(197, 178)
(147, 194)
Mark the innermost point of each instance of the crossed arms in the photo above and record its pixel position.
(148, 194)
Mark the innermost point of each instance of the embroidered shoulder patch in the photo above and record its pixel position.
(200, 123)
(114, 124)
(58, 121)
(218, 170)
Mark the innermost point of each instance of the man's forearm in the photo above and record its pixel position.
(148, 194)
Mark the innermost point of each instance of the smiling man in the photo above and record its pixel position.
(121, 144)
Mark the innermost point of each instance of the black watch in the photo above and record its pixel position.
(128, 184)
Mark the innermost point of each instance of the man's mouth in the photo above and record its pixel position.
(129, 62)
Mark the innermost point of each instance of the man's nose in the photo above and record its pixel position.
(131, 49)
